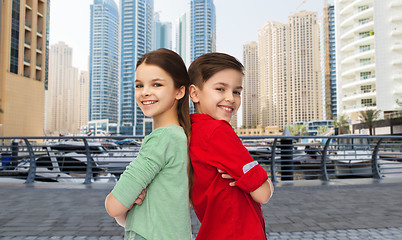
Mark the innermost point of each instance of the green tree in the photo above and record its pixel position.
(368, 117)
(322, 129)
(341, 122)
(298, 130)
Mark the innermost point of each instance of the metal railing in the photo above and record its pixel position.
(285, 158)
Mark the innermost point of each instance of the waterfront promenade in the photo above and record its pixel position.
(339, 209)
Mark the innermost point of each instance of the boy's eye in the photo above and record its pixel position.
(157, 85)
(237, 93)
(220, 89)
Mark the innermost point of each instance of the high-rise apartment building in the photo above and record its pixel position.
(290, 72)
(136, 40)
(62, 104)
(83, 98)
(369, 56)
(328, 54)
(23, 59)
(272, 43)
(202, 28)
(251, 86)
(104, 61)
(161, 33)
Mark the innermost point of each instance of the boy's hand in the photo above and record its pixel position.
(227, 176)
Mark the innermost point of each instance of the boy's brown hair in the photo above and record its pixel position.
(205, 66)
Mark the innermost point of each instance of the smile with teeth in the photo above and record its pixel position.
(227, 109)
(148, 102)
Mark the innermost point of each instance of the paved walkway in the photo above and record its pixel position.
(341, 209)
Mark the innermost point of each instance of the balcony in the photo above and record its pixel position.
(349, 8)
(362, 14)
(397, 62)
(395, 4)
(366, 26)
(397, 47)
(396, 19)
(357, 54)
(359, 68)
(353, 83)
(357, 41)
(396, 32)
(358, 95)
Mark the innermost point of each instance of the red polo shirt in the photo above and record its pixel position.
(225, 212)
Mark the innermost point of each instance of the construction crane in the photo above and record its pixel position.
(303, 2)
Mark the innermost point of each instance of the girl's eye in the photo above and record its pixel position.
(157, 85)
(138, 86)
(237, 93)
(220, 89)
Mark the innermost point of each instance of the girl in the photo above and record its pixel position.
(161, 91)
(227, 209)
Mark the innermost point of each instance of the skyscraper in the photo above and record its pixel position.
(203, 28)
(329, 61)
(181, 37)
(23, 59)
(291, 88)
(368, 50)
(251, 86)
(272, 43)
(104, 61)
(136, 40)
(62, 104)
(161, 34)
(202, 38)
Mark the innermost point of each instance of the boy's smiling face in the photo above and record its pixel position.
(220, 95)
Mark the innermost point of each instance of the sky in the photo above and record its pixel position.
(237, 21)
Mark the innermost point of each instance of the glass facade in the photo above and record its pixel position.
(332, 60)
(104, 61)
(202, 30)
(136, 40)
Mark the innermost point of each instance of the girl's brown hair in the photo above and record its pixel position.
(202, 69)
(173, 64)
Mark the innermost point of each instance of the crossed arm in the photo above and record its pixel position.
(117, 210)
(260, 195)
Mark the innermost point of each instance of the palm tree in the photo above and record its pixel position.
(341, 122)
(298, 130)
(369, 117)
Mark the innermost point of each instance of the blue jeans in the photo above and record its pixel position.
(130, 235)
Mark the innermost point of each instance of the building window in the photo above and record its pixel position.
(365, 88)
(365, 75)
(362, 8)
(367, 102)
(365, 48)
(15, 33)
(364, 34)
(365, 61)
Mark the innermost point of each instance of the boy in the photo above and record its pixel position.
(226, 209)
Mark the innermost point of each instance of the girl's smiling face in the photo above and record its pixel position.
(155, 92)
(220, 95)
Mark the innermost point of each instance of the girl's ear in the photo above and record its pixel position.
(180, 93)
(193, 91)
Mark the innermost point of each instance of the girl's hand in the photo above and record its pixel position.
(140, 198)
(227, 176)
